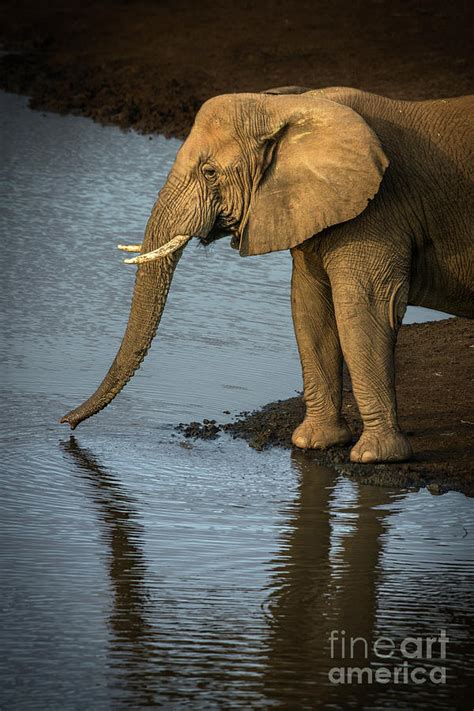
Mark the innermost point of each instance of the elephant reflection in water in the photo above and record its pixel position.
(327, 575)
(334, 573)
(307, 602)
(319, 586)
(134, 649)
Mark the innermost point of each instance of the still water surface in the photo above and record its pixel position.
(136, 572)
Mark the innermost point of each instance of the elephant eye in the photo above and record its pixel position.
(209, 172)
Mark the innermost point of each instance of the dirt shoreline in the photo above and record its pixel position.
(436, 406)
(150, 65)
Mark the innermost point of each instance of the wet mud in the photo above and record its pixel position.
(436, 407)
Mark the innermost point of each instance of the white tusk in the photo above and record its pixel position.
(168, 248)
(130, 247)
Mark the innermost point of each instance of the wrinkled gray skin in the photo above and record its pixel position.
(373, 197)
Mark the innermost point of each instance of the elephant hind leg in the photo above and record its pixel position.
(368, 327)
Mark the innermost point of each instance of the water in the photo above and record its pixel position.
(136, 572)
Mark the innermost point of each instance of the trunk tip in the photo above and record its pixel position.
(66, 420)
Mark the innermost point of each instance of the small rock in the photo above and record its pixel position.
(435, 489)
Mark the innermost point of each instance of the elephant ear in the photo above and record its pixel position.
(321, 164)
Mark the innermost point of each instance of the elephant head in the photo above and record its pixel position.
(272, 170)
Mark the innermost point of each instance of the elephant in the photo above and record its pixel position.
(372, 196)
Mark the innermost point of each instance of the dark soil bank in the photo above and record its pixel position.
(150, 64)
(436, 405)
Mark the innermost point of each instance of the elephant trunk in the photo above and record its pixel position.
(152, 284)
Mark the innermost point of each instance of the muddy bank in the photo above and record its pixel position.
(150, 65)
(435, 392)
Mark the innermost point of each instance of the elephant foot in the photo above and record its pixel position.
(390, 446)
(311, 434)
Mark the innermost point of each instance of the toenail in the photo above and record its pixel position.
(300, 442)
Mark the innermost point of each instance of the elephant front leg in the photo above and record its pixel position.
(321, 357)
(368, 328)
